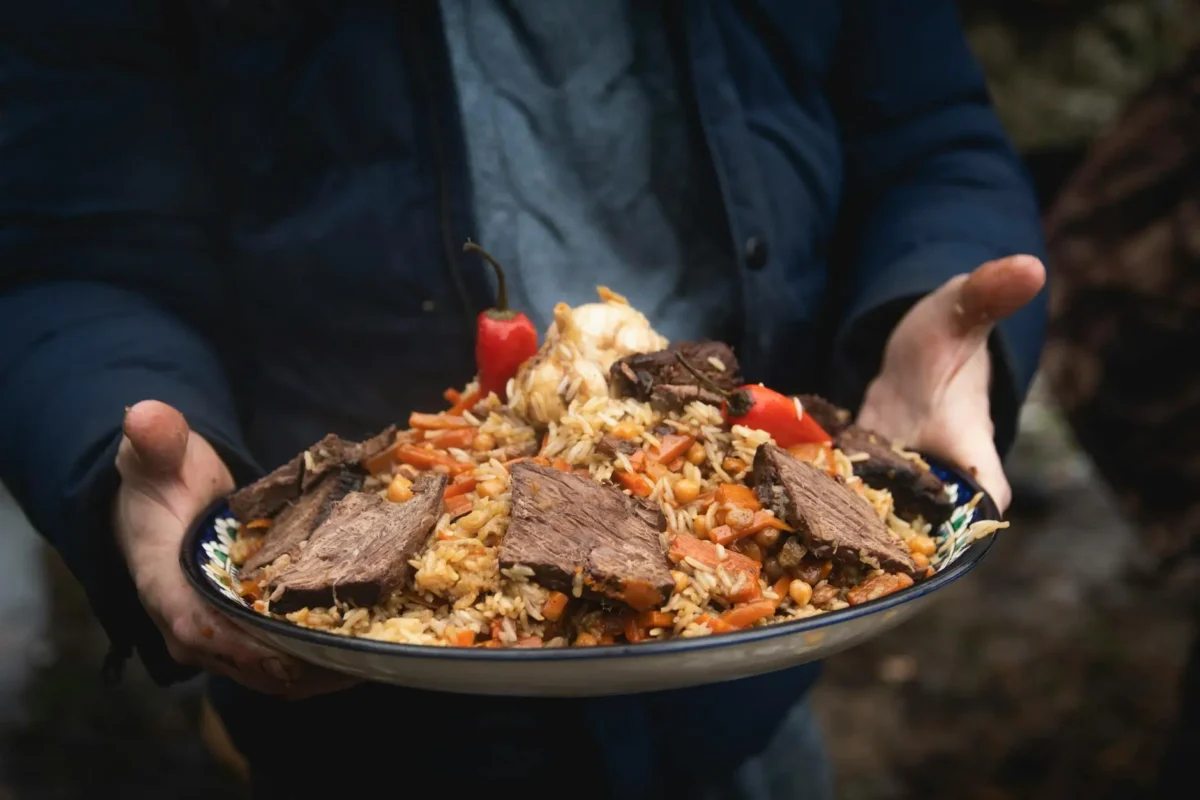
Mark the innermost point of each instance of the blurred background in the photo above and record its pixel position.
(1053, 672)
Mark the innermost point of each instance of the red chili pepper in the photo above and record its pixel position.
(504, 339)
(758, 407)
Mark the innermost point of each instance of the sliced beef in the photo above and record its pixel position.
(915, 490)
(298, 520)
(612, 445)
(831, 520)
(333, 452)
(647, 376)
(565, 524)
(267, 496)
(833, 418)
(360, 553)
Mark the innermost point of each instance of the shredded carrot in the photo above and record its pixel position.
(655, 619)
(685, 546)
(655, 470)
(636, 484)
(459, 487)
(435, 422)
(673, 446)
(554, 606)
(561, 464)
(381, 462)
(676, 465)
(465, 403)
(765, 519)
(811, 452)
(744, 616)
(452, 395)
(428, 458)
(781, 589)
(735, 494)
(633, 631)
(725, 535)
(638, 460)
(256, 524)
(718, 625)
(458, 437)
(459, 504)
(462, 637)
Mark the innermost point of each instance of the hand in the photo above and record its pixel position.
(931, 393)
(169, 475)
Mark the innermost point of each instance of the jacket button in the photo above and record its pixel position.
(756, 253)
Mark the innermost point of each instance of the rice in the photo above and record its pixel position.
(459, 596)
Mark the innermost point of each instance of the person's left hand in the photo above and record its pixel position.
(931, 393)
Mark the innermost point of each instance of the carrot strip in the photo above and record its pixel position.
(256, 524)
(633, 631)
(735, 494)
(554, 606)
(744, 616)
(638, 460)
(462, 637)
(655, 619)
(673, 446)
(423, 458)
(465, 403)
(685, 546)
(636, 484)
(561, 464)
(435, 422)
(781, 589)
(458, 437)
(459, 504)
(452, 395)
(459, 487)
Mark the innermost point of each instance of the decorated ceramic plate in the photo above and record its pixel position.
(604, 669)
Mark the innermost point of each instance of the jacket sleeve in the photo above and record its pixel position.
(933, 189)
(107, 280)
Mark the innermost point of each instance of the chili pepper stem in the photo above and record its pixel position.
(502, 287)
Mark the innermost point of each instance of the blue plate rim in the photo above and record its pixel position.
(970, 558)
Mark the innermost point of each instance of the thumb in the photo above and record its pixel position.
(158, 438)
(994, 291)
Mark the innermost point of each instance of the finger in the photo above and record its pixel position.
(997, 290)
(973, 450)
(157, 438)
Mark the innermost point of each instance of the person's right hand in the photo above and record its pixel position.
(169, 475)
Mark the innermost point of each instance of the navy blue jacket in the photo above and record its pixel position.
(260, 221)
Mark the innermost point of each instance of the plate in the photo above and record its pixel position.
(590, 671)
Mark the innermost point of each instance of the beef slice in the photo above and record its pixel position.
(830, 518)
(565, 524)
(361, 552)
(915, 490)
(297, 521)
(659, 377)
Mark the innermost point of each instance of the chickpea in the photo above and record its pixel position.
(696, 454)
(700, 527)
(733, 465)
(739, 518)
(484, 442)
(626, 430)
(800, 592)
(399, 490)
(921, 560)
(767, 538)
(490, 488)
(586, 639)
(686, 490)
(923, 545)
(681, 580)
